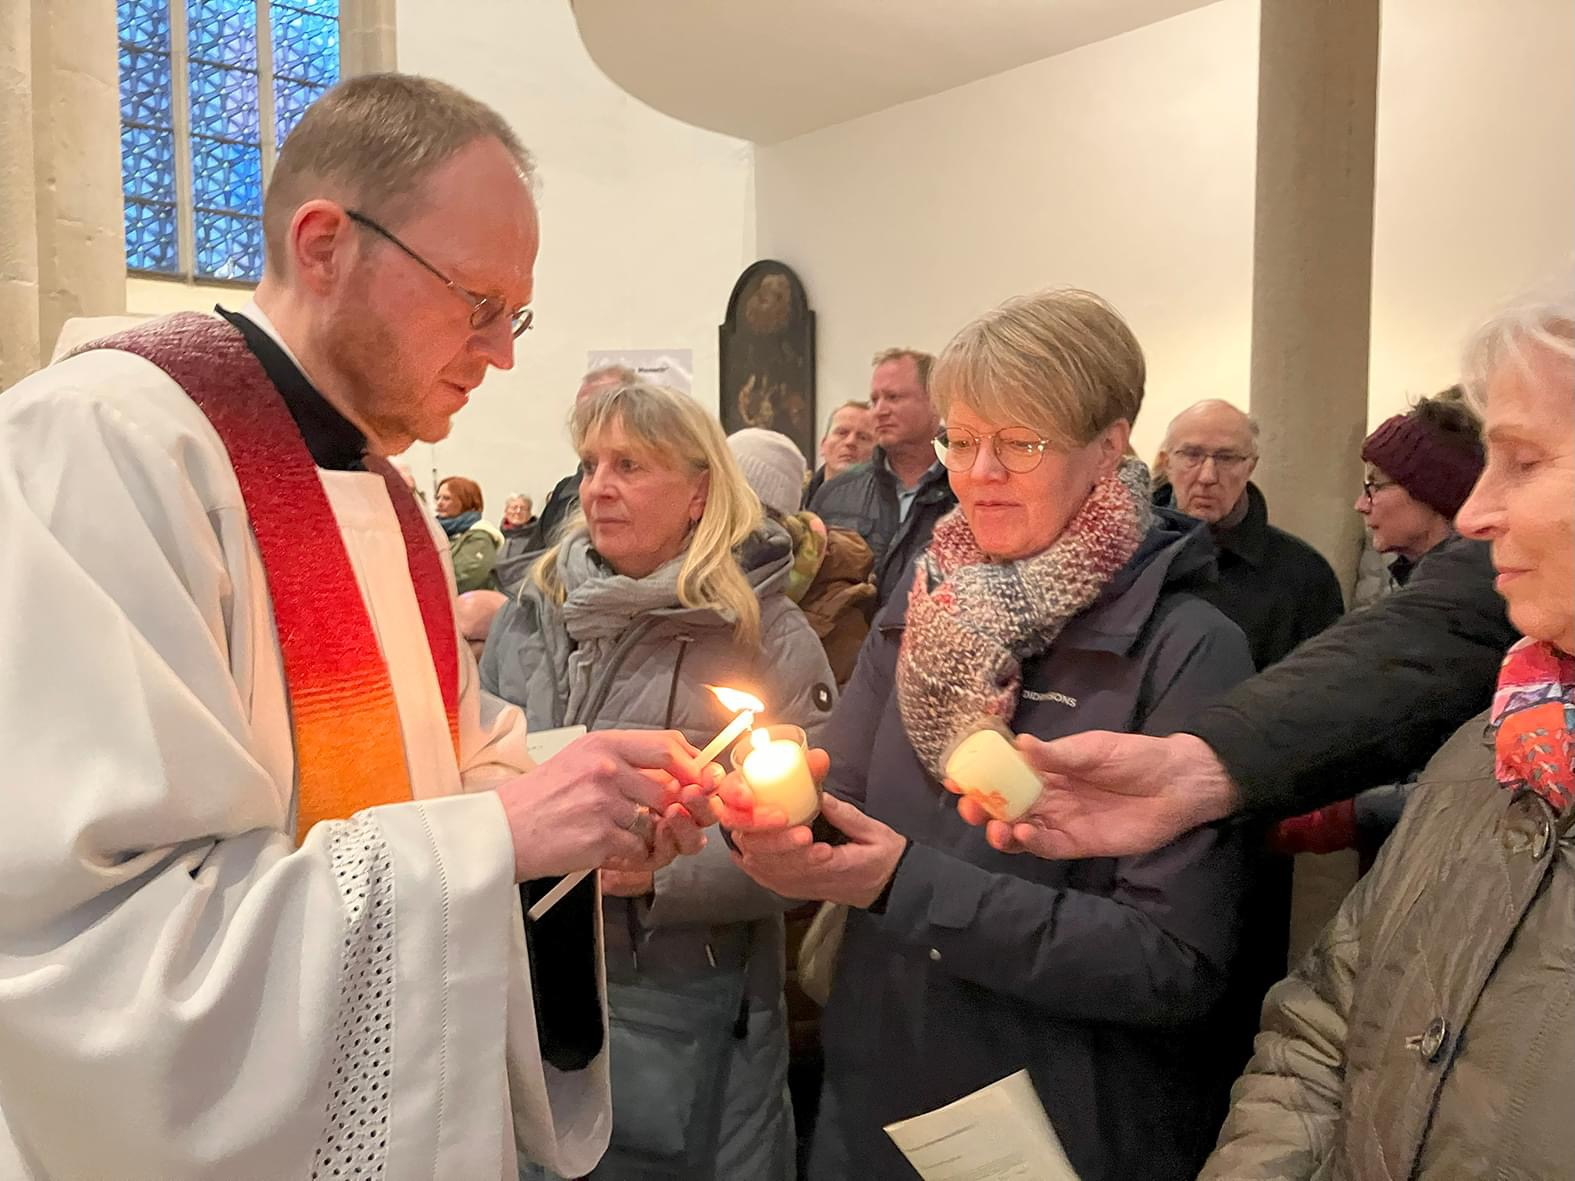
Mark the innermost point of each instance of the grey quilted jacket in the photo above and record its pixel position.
(623, 653)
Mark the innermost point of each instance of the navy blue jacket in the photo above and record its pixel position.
(864, 499)
(1096, 976)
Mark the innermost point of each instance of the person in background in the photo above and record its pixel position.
(1056, 599)
(1159, 476)
(669, 582)
(1427, 1033)
(1420, 468)
(894, 500)
(518, 512)
(473, 542)
(475, 611)
(1274, 586)
(849, 440)
(831, 567)
(1279, 591)
(521, 530)
(564, 499)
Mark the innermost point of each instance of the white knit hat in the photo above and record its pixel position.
(773, 466)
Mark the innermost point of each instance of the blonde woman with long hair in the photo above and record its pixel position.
(669, 581)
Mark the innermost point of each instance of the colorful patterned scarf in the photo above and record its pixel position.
(1534, 717)
(972, 622)
(349, 746)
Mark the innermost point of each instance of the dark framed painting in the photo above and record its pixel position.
(767, 355)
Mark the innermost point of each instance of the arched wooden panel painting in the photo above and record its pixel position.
(767, 355)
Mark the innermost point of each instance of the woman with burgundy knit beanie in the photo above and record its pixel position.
(1420, 469)
(1055, 599)
(1421, 466)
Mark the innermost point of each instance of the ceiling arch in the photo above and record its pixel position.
(771, 71)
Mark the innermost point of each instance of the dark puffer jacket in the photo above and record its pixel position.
(1367, 701)
(1428, 1035)
(1095, 976)
(864, 499)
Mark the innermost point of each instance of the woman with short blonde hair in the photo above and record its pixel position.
(1054, 600)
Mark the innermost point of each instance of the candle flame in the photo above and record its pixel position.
(759, 739)
(737, 700)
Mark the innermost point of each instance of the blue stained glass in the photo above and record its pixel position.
(223, 31)
(228, 246)
(305, 45)
(145, 88)
(290, 100)
(145, 22)
(326, 7)
(224, 102)
(150, 237)
(226, 175)
(147, 163)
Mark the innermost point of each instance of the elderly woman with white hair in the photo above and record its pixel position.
(1055, 599)
(1431, 1031)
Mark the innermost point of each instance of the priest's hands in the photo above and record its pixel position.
(581, 809)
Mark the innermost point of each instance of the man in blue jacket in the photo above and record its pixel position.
(894, 500)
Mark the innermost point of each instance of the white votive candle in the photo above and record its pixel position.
(778, 774)
(993, 772)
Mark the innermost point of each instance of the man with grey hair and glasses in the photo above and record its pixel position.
(1275, 587)
(1279, 591)
(268, 848)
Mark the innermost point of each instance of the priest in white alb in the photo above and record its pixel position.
(266, 848)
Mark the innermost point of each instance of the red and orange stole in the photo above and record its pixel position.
(349, 748)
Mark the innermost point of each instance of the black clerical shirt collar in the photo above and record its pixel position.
(334, 441)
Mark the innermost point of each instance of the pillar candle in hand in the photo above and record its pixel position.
(772, 763)
(993, 772)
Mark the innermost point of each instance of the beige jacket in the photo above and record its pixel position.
(1430, 1033)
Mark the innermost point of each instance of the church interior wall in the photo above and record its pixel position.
(1127, 167)
(646, 222)
(1475, 185)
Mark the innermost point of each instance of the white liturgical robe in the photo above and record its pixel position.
(184, 993)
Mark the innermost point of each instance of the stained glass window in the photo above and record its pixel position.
(208, 90)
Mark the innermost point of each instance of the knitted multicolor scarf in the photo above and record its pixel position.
(972, 622)
(349, 748)
(1534, 716)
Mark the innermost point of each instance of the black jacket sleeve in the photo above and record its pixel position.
(1371, 698)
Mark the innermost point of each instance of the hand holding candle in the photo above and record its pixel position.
(986, 768)
(774, 765)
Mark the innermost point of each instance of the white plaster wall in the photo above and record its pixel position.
(1128, 167)
(646, 222)
(1476, 177)
(1125, 167)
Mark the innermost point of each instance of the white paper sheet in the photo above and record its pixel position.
(1000, 1133)
(543, 744)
